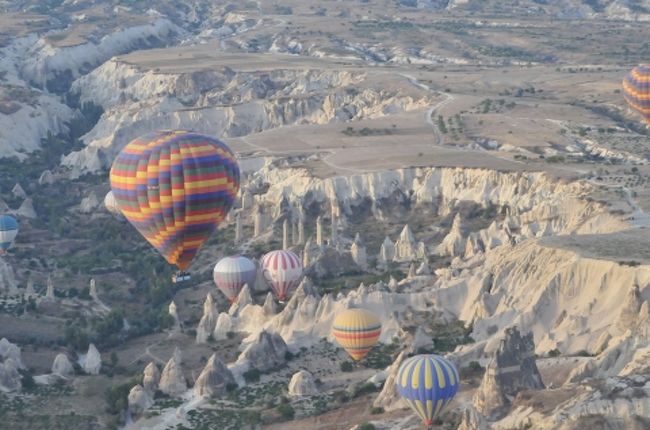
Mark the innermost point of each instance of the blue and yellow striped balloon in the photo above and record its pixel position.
(427, 383)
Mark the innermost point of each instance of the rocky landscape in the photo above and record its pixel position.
(466, 170)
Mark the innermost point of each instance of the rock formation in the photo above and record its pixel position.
(223, 326)
(172, 382)
(49, 292)
(358, 251)
(29, 289)
(388, 398)
(472, 420)
(269, 307)
(302, 384)
(8, 282)
(12, 351)
(93, 290)
(285, 234)
(27, 210)
(89, 204)
(239, 235)
(214, 379)
(259, 224)
(46, 178)
(423, 269)
(173, 312)
(62, 365)
(208, 320)
(386, 252)
(628, 318)
(18, 191)
(319, 231)
(139, 400)
(334, 238)
(92, 362)
(10, 379)
(307, 253)
(511, 370)
(406, 248)
(294, 234)
(301, 230)
(266, 352)
(151, 378)
(247, 200)
(455, 242)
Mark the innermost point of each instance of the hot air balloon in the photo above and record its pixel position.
(175, 187)
(110, 203)
(282, 270)
(8, 232)
(427, 383)
(636, 89)
(232, 273)
(357, 331)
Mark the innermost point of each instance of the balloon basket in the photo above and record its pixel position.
(180, 277)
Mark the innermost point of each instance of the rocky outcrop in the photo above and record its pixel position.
(172, 381)
(10, 379)
(18, 191)
(151, 378)
(139, 400)
(89, 204)
(27, 210)
(406, 248)
(12, 351)
(223, 326)
(173, 312)
(302, 384)
(62, 365)
(454, 243)
(214, 379)
(629, 316)
(472, 420)
(511, 370)
(267, 352)
(92, 362)
(358, 251)
(269, 307)
(389, 398)
(207, 323)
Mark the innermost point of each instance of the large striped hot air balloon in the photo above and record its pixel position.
(636, 89)
(175, 187)
(357, 331)
(283, 271)
(8, 232)
(232, 273)
(427, 383)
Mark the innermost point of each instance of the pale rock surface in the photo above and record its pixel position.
(151, 378)
(10, 350)
(62, 365)
(389, 398)
(139, 401)
(472, 420)
(511, 370)
(89, 204)
(18, 191)
(386, 251)
(92, 362)
(406, 248)
(358, 251)
(27, 210)
(173, 312)
(270, 307)
(172, 381)
(266, 353)
(223, 326)
(207, 323)
(46, 178)
(10, 379)
(302, 384)
(454, 244)
(214, 379)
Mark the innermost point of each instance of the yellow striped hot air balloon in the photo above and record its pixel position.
(636, 89)
(357, 331)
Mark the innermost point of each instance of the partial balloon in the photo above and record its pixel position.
(175, 187)
(8, 232)
(232, 273)
(357, 331)
(283, 271)
(636, 89)
(427, 383)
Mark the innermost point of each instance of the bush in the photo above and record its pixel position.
(286, 411)
(346, 366)
(475, 365)
(252, 375)
(376, 411)
(554, 353)
(367, 426)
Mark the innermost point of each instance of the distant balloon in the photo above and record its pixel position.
(357, 331)
(232, 273)
(427, 383)
(636, 89)
(8, 232)
(110, 203)
(175, 187)
(283, 271)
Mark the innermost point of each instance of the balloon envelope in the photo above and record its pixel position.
(427, 383)
(283, 271)
(8, 232)
(232, 273)
(175, 187)
(636, 89)
(357, 331)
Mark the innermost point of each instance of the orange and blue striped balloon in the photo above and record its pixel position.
(427, 383)
(175, 187)
(636, 89)
(357, 331)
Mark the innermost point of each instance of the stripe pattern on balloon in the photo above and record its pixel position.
(283, 272)
(636, 89)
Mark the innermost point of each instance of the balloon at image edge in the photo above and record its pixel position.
(8, 232)
(283, 271)
(636, 90)
(357, 331)
(232, 273)
(175, 187)
(427, 383)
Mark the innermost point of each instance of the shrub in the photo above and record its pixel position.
(554, 353)
(286, 411)
(367, 426)
(252, 375)
(346, 366)
(376, 411)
